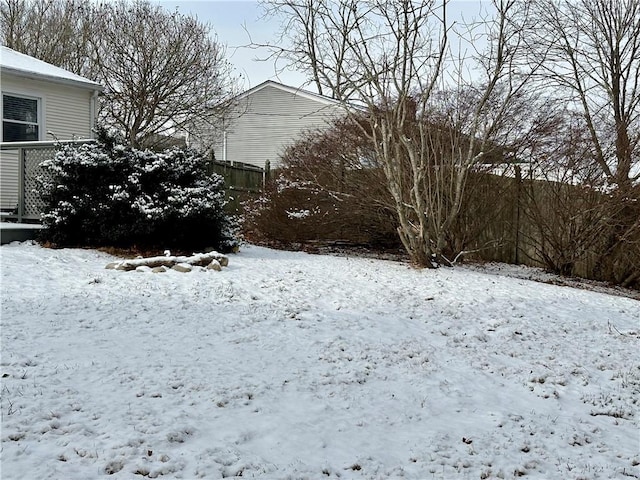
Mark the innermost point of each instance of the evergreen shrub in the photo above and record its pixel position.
(109, 194)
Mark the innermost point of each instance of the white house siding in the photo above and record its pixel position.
(64, 110)
(267, 121)
(67, 110)
(8, 179)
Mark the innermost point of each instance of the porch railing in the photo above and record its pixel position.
(19, 169)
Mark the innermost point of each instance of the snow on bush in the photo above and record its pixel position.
(105, 193)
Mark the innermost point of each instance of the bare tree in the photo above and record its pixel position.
(160, 69)
(593, 66)
(429, 124)
(164, 73)
(594, 63)
(55, 31)
(314, 38)
(564, 216)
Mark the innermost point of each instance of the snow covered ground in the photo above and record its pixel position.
(289, 365)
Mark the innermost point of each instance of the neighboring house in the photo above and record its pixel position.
(39, 102)
(268, 118)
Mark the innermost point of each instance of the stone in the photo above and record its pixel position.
(214, 265)
(223, 261)
(160, 269)
(182, 267)
(112, 265)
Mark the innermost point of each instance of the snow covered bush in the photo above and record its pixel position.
(107, 194)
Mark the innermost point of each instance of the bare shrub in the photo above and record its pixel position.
(328, 189)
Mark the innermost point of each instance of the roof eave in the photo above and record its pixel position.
(88, 85)
(295, 91)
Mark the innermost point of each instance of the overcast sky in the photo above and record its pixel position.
(238, 22)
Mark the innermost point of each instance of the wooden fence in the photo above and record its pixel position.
(566, 228)
(242, 181)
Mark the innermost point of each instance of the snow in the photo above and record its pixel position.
(298, 214)
(290, 365)
(16, 62)
(19, 226)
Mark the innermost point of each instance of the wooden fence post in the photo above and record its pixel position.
(516, 259)
(267, 172)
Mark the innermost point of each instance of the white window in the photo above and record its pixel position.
(20, 118)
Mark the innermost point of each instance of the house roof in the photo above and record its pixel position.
(295, 91)
(23, 65)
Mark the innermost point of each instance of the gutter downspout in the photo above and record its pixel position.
(224, 147)
(93, 112)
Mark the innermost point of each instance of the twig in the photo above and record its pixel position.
(488, 245)
(611, 326)
(10, 410)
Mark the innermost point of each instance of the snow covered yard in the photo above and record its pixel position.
(288, 365)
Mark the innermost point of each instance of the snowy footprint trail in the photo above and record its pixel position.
(288, 365)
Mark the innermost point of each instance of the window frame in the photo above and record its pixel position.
(37, 123)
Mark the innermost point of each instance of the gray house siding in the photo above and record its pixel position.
(268, 119)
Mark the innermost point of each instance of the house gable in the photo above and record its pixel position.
(269, 118)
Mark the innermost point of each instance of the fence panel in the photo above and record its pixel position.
(554, 225)
(242, 182)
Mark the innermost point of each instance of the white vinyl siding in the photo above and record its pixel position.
(66, 110)
(269, 120)
(8, 180)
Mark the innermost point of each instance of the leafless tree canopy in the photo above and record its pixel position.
(593, 62)
(161, 69)
(58, 32)
(315, 38)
